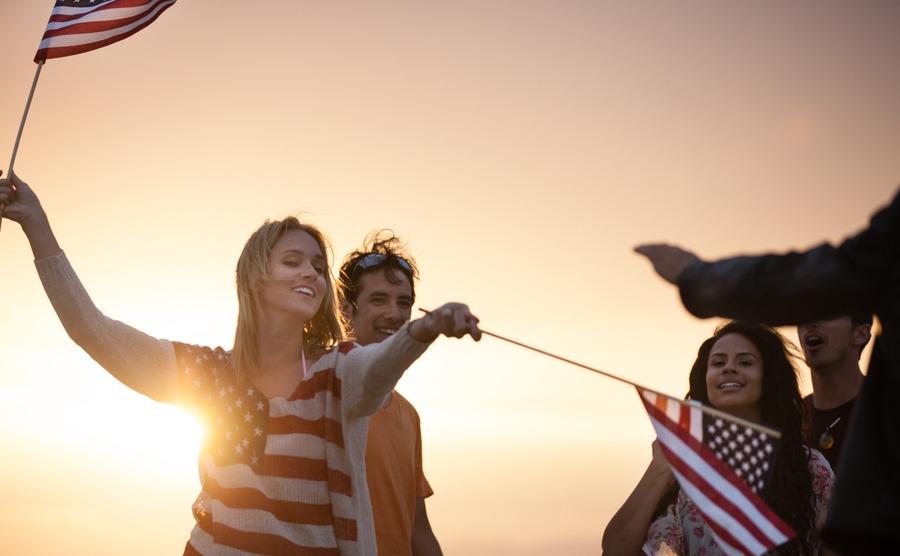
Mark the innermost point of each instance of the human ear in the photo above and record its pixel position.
(862, 333)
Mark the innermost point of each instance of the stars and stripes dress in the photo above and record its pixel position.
(279, 476)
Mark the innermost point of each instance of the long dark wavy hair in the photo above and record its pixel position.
(790, 490)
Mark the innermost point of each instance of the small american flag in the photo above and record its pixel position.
(78, 26)
(721, 462)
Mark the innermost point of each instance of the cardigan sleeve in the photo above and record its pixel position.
(370, 372)
(141, 362)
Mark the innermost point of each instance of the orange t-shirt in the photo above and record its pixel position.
(394, 474)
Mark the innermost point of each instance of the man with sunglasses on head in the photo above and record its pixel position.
(376, 289)
(832, 348)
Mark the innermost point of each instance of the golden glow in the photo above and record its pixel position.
(522, 147)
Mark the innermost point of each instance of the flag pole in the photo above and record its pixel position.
(12, 160)
(569, 361)
(704, 408)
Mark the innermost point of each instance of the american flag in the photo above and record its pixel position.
(721, 462)
(78, 26)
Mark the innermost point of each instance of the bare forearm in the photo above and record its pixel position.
(424, 543)
(627, 530)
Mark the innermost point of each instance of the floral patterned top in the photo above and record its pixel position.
(681, 529)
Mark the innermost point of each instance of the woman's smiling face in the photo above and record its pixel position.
(296, 284)
(734, 376)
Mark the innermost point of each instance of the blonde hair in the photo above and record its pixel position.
(322, 331)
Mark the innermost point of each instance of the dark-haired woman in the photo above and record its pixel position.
(745, 369)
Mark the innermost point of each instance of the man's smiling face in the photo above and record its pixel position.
(382, 307)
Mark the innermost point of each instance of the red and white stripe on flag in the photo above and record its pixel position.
(78, 26)
(740, 521)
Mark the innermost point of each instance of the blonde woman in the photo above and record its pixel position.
(282, 466)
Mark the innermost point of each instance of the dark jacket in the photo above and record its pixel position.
(860, 275)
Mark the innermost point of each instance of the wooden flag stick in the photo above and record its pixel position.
(12, 160)
(569, 361)
(705, 408)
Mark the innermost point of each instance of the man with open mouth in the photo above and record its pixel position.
(832, 348)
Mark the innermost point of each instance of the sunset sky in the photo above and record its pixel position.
(522, 147)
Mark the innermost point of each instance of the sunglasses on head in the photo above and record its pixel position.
(375, 259)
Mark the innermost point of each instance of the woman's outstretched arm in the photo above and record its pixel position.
(141, 362)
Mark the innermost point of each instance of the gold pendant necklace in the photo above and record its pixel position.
(826, 441)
